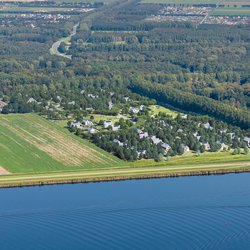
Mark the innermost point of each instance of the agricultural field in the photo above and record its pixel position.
(29, 143)
(231, 11)
(236, 2)
(185, 2)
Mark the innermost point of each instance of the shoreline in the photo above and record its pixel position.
(121, 178)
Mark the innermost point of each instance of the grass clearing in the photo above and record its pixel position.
(156, 109)
(29, 143)
(194, 160)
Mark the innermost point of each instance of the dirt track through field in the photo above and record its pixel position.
(3, 171)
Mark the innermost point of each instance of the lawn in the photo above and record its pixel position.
(29, 143)
(194, 159)
(156, 109)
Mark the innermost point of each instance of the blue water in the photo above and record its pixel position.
(209, 212)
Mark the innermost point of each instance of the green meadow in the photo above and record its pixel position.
(29, 143)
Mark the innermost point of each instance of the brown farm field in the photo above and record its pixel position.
(29, 143)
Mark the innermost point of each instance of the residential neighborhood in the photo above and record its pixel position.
(160, 136)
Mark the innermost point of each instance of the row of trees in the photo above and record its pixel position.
(167, 95)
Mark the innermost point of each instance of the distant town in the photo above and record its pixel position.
(197, 15)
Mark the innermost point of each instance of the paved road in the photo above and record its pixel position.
(55, 46)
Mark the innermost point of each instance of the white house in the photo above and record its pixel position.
(72, 103)
(59, 98)
(141, 153)
(77, 125)
(155, 140)
(134, 110)
(86, 122)
(223, 131)
(107, 123)
(142, 107)
(127, 99)
(166, 147)
(31, 100)
(139, 131)
(93, 96)
(206, 146)
(119, 142)
(185, 147)
(196, 136)
(143, 135)
(247, 141)
(207, 126)
(110, 105)
(232, 135)
(223, 146)
(116, 127)
(91, 130)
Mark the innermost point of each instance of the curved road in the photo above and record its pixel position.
(54, 48)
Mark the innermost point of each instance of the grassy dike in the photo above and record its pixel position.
(125, 173)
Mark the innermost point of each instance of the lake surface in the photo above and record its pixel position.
(205, 212)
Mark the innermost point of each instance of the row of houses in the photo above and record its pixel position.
(108, 123)
(186, 148)
(137, 110)
(90, 125)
